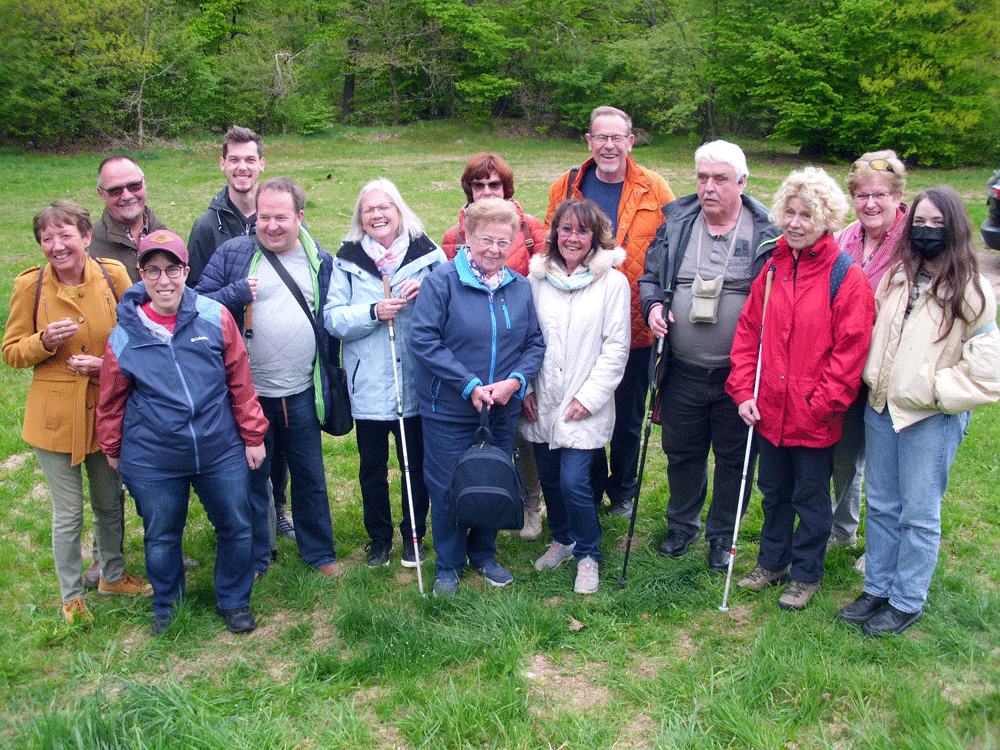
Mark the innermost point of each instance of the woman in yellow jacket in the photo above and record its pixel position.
(61, 315)
(935, 356)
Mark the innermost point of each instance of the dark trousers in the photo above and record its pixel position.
(623, 451)
(373, 472)
(698, 413)
(795, 481)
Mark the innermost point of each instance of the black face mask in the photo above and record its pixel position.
(928, 241)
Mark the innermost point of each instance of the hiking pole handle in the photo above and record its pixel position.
(388, 295)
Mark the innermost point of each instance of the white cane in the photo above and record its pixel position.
(746, 457)
(402, 437)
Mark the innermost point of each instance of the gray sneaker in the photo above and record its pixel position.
(797, 595)
(760, 578)
(587, 577)
(555, 555)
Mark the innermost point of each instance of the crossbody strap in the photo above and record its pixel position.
(38, 290)
(297, 293)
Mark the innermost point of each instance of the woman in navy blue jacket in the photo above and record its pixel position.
(476, 342)
(178, 410)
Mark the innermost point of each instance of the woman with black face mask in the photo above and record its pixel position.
(935, 356)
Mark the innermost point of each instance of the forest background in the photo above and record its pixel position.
(834, 78)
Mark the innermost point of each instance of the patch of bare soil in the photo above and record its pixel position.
(989, 266)
(14, 462)
(633, 736)
(638, 542)
(560, 690)
(387, 736)
(959, 694)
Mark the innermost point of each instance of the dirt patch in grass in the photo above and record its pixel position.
(633, 736)
(960, 694)
(387, 736)
(14, 462)
(638, 542)
(574, 692)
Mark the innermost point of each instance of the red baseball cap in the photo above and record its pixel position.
(163, 239)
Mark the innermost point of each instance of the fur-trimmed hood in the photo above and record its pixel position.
(599, 263)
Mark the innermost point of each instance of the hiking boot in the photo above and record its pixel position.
(76, 609)
(861, 609)
(284, 527)
(760, 578)
(555, 555)
(532, 528)
(160, 624)
(239, 620)
(129, 585)
(93, 576)
(890, 620)
(378, 552)
(409, 560)
(587, 577)
(621, 508)
(859, 566)
(797, 595)
(837, 542)
(494, 572)
(445, 585)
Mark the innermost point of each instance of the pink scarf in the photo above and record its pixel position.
(852, 241)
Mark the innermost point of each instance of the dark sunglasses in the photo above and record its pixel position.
(116, 192)
(879, 165)
(480, 184)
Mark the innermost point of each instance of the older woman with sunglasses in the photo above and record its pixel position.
(876, 185)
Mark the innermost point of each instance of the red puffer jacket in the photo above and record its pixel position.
(813, 352)
(520, 252)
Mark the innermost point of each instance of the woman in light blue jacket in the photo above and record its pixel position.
(386, 239)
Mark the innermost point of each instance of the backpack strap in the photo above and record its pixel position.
(106, 278)
(528, 241)
(38, 297)
(571, 178)
(838, 272)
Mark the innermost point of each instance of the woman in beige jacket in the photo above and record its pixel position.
(935, 356)
(61, 315)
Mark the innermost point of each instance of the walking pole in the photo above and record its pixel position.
(746, 457)
(402, 437)
(623, 581)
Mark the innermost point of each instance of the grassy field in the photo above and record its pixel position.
(364, 662)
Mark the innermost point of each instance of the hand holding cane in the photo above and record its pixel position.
(746, 459)
(402, 437)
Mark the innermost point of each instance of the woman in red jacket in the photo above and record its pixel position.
(812, 338)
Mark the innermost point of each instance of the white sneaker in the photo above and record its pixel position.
(555, 555)
(532, 525)
(587, 578)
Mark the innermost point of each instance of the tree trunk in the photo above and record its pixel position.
(395, 97)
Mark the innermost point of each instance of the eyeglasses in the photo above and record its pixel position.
(490, 242)
(570, 232)
(153, 273)
(381, 208)
(879, 165)
(481, 185)
(132, 187)
(601, 138)
(862, 198)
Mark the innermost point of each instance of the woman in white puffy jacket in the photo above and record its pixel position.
(935, 356)
(583, 310)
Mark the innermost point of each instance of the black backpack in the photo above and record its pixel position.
(486, 489)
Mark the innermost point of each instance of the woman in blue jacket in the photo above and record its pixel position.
(476, 341)
(178, 410)
(386, 240)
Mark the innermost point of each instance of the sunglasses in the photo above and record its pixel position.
(879, 165)
(480, 185)
(116, 192)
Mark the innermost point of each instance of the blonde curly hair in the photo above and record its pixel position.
(821, 194)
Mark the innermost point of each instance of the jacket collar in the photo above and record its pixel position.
(465, 272)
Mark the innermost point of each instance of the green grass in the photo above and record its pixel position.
(365, 662)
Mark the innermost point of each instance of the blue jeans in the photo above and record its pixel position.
(906, 475)
(295, 432)
(444, 444)
(565, 477)
(163, 505)
(795, 481)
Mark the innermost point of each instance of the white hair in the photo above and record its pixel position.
(408, 221)
(725, 152)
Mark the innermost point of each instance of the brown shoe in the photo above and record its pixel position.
(130, 585)
(76, 609)
(330, 569)
(760, 578)
(797, 595)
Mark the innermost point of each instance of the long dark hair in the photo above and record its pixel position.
(590, 216)
(957, 266)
